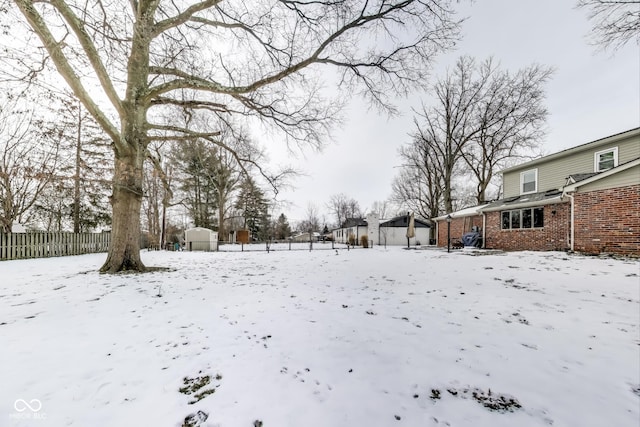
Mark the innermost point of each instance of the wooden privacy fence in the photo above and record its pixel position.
(42, 245)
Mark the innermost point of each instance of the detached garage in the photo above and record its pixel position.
(393, 232)
(201, 239)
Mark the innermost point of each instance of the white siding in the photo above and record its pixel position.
(553, 172)
(397, 236)
(201, 239)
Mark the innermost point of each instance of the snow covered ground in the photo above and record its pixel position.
(369, 338)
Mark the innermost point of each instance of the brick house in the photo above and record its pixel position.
(585, 199)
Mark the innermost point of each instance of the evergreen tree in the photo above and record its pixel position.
(195, 162)
(253, 207)
(282, 229)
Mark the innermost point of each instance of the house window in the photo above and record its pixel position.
(606, 159)
(529, 181)
(523, 218)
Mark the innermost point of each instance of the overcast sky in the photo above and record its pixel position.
(592, 95)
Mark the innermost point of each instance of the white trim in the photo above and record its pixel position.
(596, 160)
(535, 181)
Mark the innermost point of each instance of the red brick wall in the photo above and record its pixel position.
(459, 226)
(554, 236)
(608, 221)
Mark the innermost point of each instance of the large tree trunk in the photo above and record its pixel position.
(124, 250)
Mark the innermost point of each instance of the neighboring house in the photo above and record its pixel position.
(355, 227)
(585, 199)
(392, 232)
(305, 237)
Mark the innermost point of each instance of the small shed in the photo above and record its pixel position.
(242, 236)
(201, 239)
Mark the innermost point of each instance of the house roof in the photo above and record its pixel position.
(577, 177)
(570, 151)
(471, 211)
(525, 200)
(354, 222)
(596, 177)
(401, 221)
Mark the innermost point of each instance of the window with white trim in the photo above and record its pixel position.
(529, 181)
(522, 218)
(606, 159)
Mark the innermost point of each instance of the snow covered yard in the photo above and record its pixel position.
(361, 338)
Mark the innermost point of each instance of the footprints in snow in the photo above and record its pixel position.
(305, 376)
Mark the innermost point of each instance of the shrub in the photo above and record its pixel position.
(352, 239)
(364, 241)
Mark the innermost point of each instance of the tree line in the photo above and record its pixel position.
(152, 73)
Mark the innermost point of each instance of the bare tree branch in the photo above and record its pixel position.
(615, 23)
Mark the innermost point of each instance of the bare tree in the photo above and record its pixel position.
(156, 58)
(382, 208)
(445, 129)
(483, 117)
(343, 207)
(508, 123)
(615, 23)
(311, 223)
(419, 185)
(77, 198)
(157, 184)
(28, 160)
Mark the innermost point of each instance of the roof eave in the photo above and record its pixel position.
(569, 151)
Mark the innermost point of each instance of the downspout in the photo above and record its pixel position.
(484, 230)
(572, 232)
